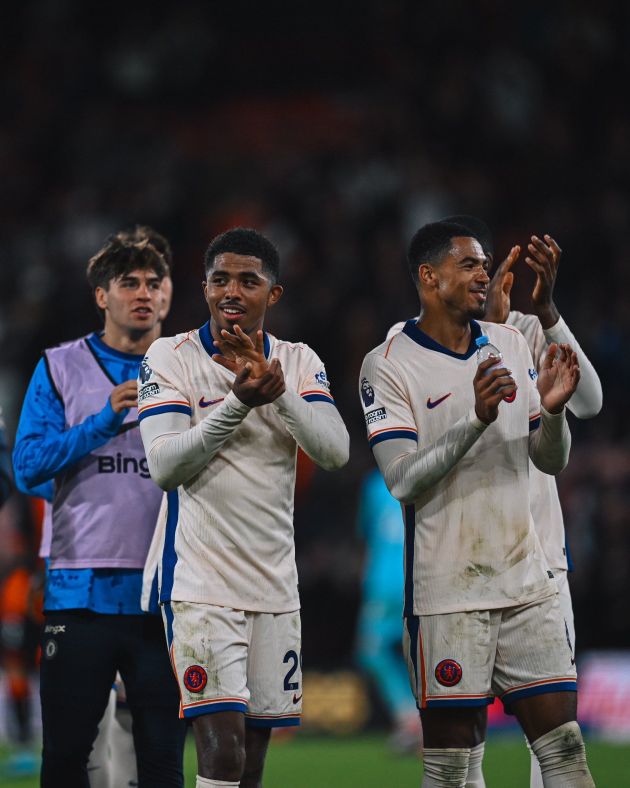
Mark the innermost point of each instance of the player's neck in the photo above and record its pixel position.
(126, 341)
(451, 332)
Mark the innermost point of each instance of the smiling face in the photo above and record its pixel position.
(132, 302)
(459, 283)
(238, 291)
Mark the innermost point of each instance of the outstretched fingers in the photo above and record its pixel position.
(550, 356)
(555, 249)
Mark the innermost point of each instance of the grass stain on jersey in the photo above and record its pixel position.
(480, 570)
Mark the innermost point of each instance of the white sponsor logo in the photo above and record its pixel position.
(148, 391)
(50, 649)
(375, 415)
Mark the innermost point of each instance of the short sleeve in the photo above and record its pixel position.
(161, 382)
(385, 401)
(314, 383)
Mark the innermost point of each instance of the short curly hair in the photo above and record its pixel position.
(247, 242)
(432, 243)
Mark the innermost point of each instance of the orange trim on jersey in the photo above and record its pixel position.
(212, 701)
(161, 404)
(557, 680)
(423, 675)
(535, 416)
(460, 697)
(509, 328)
(392, 429)
(316, 391)
(388, 346)
(186, 339)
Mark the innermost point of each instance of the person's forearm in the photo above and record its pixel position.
(587, 400)
(40, 456)
(317, 428)
(408, 474)
(177, 452)
(550, 444)
(548, 315)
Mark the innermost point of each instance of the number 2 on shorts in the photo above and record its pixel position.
(293, 658)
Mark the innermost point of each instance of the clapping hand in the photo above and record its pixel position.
(544, 259)
(257, 382)
(558, 377)
(237, 350)
(498, 299)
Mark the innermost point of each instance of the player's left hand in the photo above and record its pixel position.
(499, 289)
(238, 350)
(558, 377)
(544, 261)
(259, 391)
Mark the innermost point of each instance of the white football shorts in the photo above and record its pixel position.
(469, 658)
(232, 660)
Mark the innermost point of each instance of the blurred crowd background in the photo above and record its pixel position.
(337, 130)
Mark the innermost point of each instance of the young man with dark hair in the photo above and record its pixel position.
(113, 759)
(453, 441)
(223, 410)
(78, 427)
(542, 326)
(141, 233)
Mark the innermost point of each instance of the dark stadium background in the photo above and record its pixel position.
(337, 129)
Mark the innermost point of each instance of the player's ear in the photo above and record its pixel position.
(274, 295)
(426, 275)
(100, 296)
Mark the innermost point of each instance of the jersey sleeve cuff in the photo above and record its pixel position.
(232, 402)
(476, 422)
(551, 416)
(557, 332)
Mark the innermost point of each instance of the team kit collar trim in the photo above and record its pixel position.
(96, 340)
(413, 332)
(205, 335)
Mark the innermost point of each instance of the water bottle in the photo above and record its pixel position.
(485, 349)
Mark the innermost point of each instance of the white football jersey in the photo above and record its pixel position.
(229, 531)
(544, 500)
(470, 541)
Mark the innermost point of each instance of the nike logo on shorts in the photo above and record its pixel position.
(434, 404)
(297, 698)
(204, 404)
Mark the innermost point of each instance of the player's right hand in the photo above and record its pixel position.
(498, 298)
(124, 396)
(259, 391)
(492, 384)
